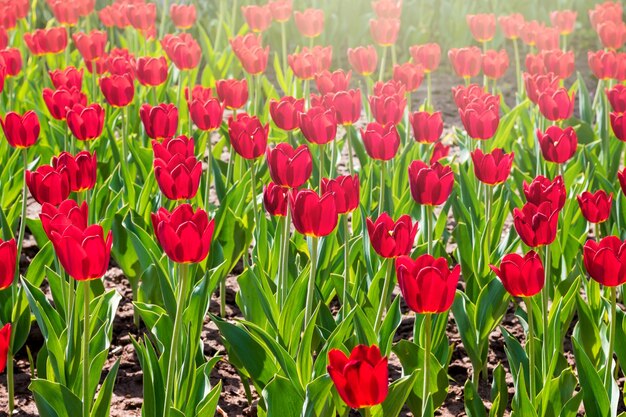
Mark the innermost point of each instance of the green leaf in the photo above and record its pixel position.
(282, 397)
(474, 406)
(317, 396)
(102, 405)
(398, 393)
(521, 404)
(595, 396)
(55, 400)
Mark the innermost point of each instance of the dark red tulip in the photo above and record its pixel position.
(119, 90)
(100, 66)
(67, 78)
(184, 234)
(361, 379)
(312, 214)
(387, 108)
(617, 98)
(346, 191)
(430, 185)
(495, 63)
(69, 213)
(392, 239)
(13, 61)
(603, 64)
(482, 26)
(151, 71)
(605, 261)
(318, 125)
(621, 175)
(596, 207)
(258, 18)
(8, 259)
(538, 83)
(48, 185)
(612, 34)
(511, 25)
(310, 22)
(5, 342)
(466, 61)
(281, 10)
(381, 141)
(521, 276)
(285, 112)
(81, 169)
(207, 114)
(409, 74)
(90, 45)
(247, 135)
(183, 50)
(183, 16)
(289, 167)
(384, 31)
(427, 55)
(427, 127)
(558, 62)
(387, 9)
(347, 105)
(176, 168)
(363, 59)
(21, 131)
(59, 101)
(46, 41)
(200, 93)
(541, 189)
(427, 284)
(480, 119)
(556, 105)
(232, 93)
(334, 82)
(492, 168)
(440, 151)
(557, 145)
(564, 21)
(85, 123)
(275, 199)
(536, 225)
(161, 121)
(618, 124)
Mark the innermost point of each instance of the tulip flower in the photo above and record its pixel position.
(558, 62)
(183, 16)
(427, 127)
(480, 119)
(522, 276)
(605, 261)
(427, 55)
(603, 64)
(482, 26)
(46, 41)
(530, 32)
(430, 185)
(68, 213)
(206, 115)
(538, 83)
(310, 22)
(247, 135)
(183, 50)
(385, 31)
(151, 71)
(160, 122)
(347, 105)
(13, 60)
(8, 260)
(318, 125)
(492, 168)
(275, 199)
(281, 10)
(232, 93)
(564, 21)
(67, 13)
(334, 82)
(363, 59)
(409, 74)
(387, 9)
(536, 225)
(361, 379)
(177, 170)
(440, 151)
(381, 141)
(495, 63)
(119, 90)
(253, 60)
(313, 215)
(391, 239)
(464, 95)
(48, 185)
(5, 342)
(548, 39)
(67, 78)
(304, 64)
(142, 16)
(81, 169)
(511, 25)
(541, 189)
(21, 131)
(557, 145)
(535, 64)
(289, 167)
(618, 125)
(612, 34)
(466, 62)
(85, 123)
(258, 18)
(346, 191)
(596, 207)
(387, 108)
(617, 98)
(59, 101)
(556, 105)
(285, 112)
(90, 45)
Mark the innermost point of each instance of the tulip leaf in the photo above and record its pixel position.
(474, 406)
(316, 403)
(103, 401)
(499, 392)
(282, 398)
(595, 397)
(55, 400)
(398, 393)
(521, 405)
(392, 320)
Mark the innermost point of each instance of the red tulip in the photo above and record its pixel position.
(304, 64)
(536, 225)
(258, 18)
(466, 95)
(232, 93)
(361, 379)
(85, 123)
(48, 185)
(385, 31)
(310, 22)
(495, 63)
(21, 131)
(612, 34)
(427, 55)
(151, 71)
(183, 16)
(387, 108)
(66, 12)
(480, 119)
(564, 21)
(312, 214)
(492, 168)
(603, 12)
(556, 105)
(289, 167)
(392, 239)
(253, 60)
(621, 175)
(142, 16)
(620, 69)
(281, 10)
(387, 9)
(535, 64)
(530, 31)
(347, 105)
(81, 169)
(206, 115)
(427, 127)
(548, 39)
(595, 207)
(5, 342)
(605, 261)
(59, 101)
(430, 185)
(13, 61)
(466, 61)
(440, 151)
(511, 25)
(538, 83)
(318, 125)
(161, 121)
(427, 284)
(521, 276)
(114, 15)
(69, 213)
(8, 17)
(285, 112)
(334, 82)
(46, 41)
(176, 168)
(8, 259)
(118, 62)
(558, 62)
(363, 59)
(617, 98)
(346, 191)
(247, 135)
(381, 141)
(67, 78)
(184, 234)
(482, 26)
(119, 90)
(541, 189)
(618, 125)
(409, 74)
(557, 145)
(603, 64)
(90, 45)
(275, 199)
(183, 50)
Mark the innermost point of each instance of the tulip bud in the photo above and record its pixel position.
(275, 199)
(427, 127)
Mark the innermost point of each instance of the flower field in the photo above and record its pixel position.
(312, 208)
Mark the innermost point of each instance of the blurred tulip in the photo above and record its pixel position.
(530, 31)
(289, 167)
(183, 16)
(258, 18)
(285, 112)
(183, 50)
(427, 284)
(232, 93)
(151, 71)
(254, 60)
(557, 145)
(4, 38)
(90, 45)
(480, 119)
(492, 168)
(81, 169)
(466, 95)
(427, 127)
(65, 12)
(346, 191)
(363, 59)
(548, 39)
(381, 141)
(13, 61)
(67, 78)
(334, 82)
(384, 31)
(310, 22)
(5, 342)
(141, 16)
(119, 61)
(387, 108)
(48, 185)
(618, 125)
(392, 239)
(8, 260)
(538, 83)
(313, 215)
(430, 185)
(387, 9)
(617, 98)
(119, 90)
(247, 135)
(440, 151)
(603, 64)
(304, 64)
(46, 41)
(275, 199)
(347, 105)
(281, 10)
(361, 379)
(59, 101)
(466, 61)
(612, 34)
(564, 21)
(521, 276)
(558, 62)
(541, 189)
(160, 121)
(536, 225)
(596, 207)
(427, 55)
(85, 123)
(495, 63)
(318, 125)
(21, 131)
(535, 64)
(482, 26)
(605, 261)
(620, 67)
(511, 25)
(556, 105)
(409, 74)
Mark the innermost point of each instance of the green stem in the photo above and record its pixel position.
(257, 94)
(223, 295)
(322, 161)
(163, 18)
(257, 219)
(381, 71)
(285, 260)
(545, 295)
(310, 294)
(233, 17)
(428, 91)
(207, 190)
(429, 229)
(349, 140)
(381, 203)
(383, 300)
(346, 264)
(485, 81)
(220, 26)
(125, 122)
(609, 366)
(283, 35)
(180, 96)
(427, 349)
(531, 347)
(366, 412)
(518, 77)
(488, 207)
(86, 338)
